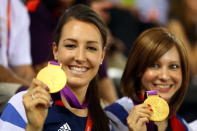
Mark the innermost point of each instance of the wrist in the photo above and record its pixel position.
(33, 128)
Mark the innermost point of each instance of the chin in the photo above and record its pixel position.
(166, 98)
(77, 84)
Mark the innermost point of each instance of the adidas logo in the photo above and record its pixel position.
(65, 127)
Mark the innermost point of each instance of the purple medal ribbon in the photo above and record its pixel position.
(152, 92)
(72, 100)
(54, 63)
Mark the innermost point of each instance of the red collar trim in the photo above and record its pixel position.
(89, 121)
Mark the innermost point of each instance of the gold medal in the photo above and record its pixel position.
(159, 106)
(53, 76)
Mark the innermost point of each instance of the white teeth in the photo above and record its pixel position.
(77, 69)
(163, 86)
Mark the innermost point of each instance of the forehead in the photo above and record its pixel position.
(81, 30)
(171, 55)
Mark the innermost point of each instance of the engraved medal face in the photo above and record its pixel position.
(53, 76)
(159, 106)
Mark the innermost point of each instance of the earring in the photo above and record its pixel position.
(55, 58)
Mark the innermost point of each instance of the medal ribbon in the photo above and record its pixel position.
(153, 92)
(72, 99)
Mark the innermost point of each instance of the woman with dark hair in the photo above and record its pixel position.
(158, 61)
(79, 45)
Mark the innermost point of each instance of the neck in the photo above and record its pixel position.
(80, 93)
(162, 125)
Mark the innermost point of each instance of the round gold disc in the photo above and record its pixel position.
(53, 76)
(159, 106)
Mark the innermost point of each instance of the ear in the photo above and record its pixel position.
(55, 51)
(103, 54)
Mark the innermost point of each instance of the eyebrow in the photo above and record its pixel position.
(88, 42)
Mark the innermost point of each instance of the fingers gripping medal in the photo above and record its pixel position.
(159, 106)
(53, 76)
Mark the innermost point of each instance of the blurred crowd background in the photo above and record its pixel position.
(28, 30)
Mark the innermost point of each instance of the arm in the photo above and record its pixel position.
(107, 90)
(106, 86)
(20, 50)
(24, 71)
(9, 76)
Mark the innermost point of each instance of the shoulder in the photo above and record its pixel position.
(118, 112)
(14, 116)
(193, 124)
(180, 122)
(122, 104)
(187, 125)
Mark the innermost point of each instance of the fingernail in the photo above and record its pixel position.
(151, 110)
(46, 88)
(149, 105)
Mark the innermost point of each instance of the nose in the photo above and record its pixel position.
(164, 74)
(80, 55)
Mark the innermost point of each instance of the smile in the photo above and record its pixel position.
(78, 69)
(163, 86)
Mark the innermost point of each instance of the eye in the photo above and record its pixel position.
(174, 66)
(70, 46)
(92, 48)
(154, 66)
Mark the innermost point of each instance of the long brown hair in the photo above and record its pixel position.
(148, 48)
(85, 14)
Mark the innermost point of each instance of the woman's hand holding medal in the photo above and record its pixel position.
(36, 101)
(138, 117)
(154, 108)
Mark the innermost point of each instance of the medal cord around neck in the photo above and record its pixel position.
(72, 99)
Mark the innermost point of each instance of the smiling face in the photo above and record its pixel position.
(165, 75)
(80, 51)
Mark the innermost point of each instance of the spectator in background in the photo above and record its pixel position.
(125, 25)
(43, 16)
(15, 57)
(155, 11)
(183, 23)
